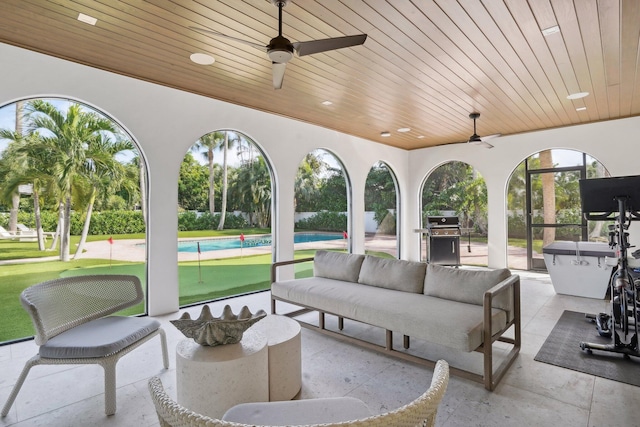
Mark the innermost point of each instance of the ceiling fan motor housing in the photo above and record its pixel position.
(280, 50)
(279, 3)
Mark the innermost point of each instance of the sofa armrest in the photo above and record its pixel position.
(511, 283)
(275, 265)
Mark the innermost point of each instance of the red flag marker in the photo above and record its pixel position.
(110, 240)
(345, 235)
(242, 237)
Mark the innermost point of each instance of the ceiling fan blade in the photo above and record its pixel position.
(317, 46)
(488, 137)
(217, 34)
(278, 74)
(484, 144)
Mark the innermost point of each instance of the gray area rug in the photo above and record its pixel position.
(562, 348)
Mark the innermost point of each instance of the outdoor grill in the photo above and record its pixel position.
(443, 240)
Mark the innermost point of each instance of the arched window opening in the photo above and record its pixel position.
(224, 219)
(543, 205)
(456, 189)
(321, 203)
(381, 212)
(73, 196)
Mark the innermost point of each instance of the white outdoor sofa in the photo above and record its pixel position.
(461, 309)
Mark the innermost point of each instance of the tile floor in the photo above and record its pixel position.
(531, 394)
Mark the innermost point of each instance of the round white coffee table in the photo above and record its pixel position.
(285, 360)
(210, 380)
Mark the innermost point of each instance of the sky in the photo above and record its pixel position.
(8, 121)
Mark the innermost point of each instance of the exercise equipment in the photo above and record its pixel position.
(617, 199)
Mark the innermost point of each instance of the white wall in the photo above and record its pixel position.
(166, 122)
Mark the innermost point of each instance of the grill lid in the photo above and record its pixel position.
(442, 221)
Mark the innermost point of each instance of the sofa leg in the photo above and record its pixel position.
(406, 342)
(389, 340)
(273, 306)
(341, 323)
(321, 320)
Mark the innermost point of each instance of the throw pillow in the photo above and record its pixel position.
(464, 285)
(337, 265)
(394, 274)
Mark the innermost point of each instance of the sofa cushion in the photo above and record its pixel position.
(337, 265)
(463, 285)
(449, 323)
(394, 274)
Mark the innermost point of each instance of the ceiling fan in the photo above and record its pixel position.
(477, 139)
(280, 50)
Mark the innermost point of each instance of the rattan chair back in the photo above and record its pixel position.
(419, 413)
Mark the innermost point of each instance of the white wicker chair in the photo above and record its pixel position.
(71, 328)
(421, 412)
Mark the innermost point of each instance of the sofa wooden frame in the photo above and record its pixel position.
(490, 377)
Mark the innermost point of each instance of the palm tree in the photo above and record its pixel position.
(15, 195)
(307, 182)
(252, 190)
(229, 140)
(210, 142)
(103, 174)
(21, 167)
(66, 138)
(9, 166)
(548, 197)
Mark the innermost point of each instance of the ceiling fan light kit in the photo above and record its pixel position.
(577, 95)
(280, 49)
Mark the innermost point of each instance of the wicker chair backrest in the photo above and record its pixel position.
(61, 304)
(419, 413)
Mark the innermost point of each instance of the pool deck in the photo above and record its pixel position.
(134, 250)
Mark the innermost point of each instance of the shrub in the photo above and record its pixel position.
(325, 221)
(190, 221)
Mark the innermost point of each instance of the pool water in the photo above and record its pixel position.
(250, 242)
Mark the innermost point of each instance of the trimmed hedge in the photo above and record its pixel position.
(191, 221)
(125, 222)
(324, 221)
(102, 223)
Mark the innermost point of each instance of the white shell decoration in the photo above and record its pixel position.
(212, 331)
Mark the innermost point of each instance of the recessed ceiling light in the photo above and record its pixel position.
(327, 102)
(577, 95)
(581, 108)
(420, 136)
(87, 19)
(550, 30)
(403, 130)
(202, 58)
(385, 134)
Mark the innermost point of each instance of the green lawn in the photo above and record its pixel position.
(212, 279)
(14, 321)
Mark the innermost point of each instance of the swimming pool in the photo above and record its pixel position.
(249, 241)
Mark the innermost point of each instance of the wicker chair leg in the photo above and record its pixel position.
(16, 388)
(109, 386)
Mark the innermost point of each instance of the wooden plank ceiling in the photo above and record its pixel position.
(425, 64)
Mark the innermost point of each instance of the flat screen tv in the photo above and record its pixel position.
(600, 195)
